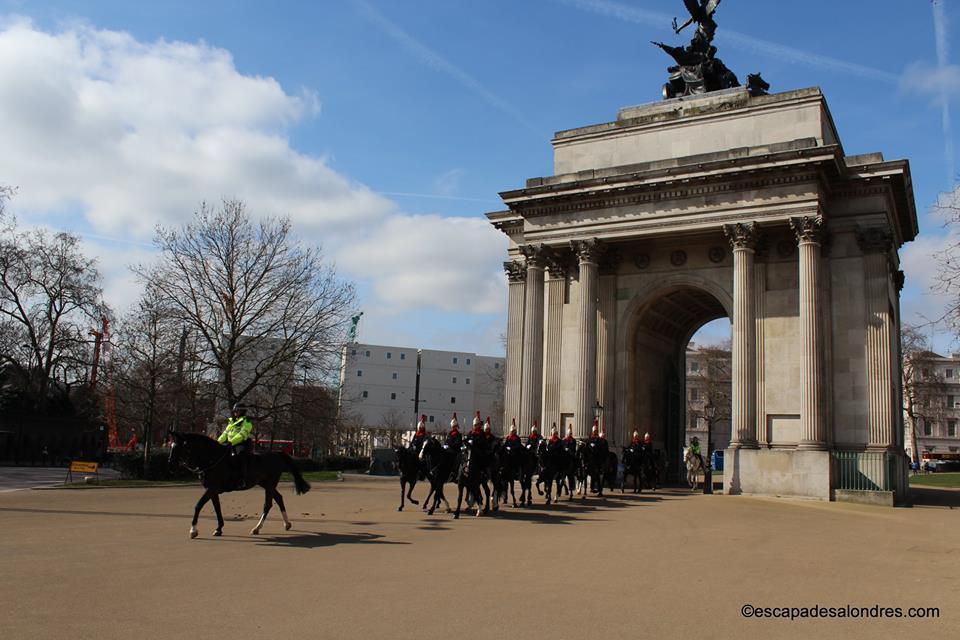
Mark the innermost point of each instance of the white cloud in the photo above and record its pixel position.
(131, 134)
(137, 133)
(432, 261)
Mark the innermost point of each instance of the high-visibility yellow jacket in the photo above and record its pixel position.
(695, 448)
(238, 430)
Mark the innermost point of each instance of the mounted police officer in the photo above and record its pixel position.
(237, 436)
(695, 450)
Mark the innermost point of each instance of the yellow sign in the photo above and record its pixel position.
(83, 467)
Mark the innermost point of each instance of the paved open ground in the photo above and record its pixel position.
(118, 563)
(13, 478)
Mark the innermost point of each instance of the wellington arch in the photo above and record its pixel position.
(720, 205)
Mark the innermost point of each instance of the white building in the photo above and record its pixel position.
(388, 387)
(933, 397)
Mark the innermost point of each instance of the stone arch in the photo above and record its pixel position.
(712, 300)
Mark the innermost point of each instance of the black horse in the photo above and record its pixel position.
(440, 462)
(551, 465)
(569, 468)
(472, 474)
(512, 458)
(409, 464)
(529, 466)
(592, 465)
(632, 466)
(651, 465)
(210, 461)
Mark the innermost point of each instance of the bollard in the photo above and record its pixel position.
(708, 479)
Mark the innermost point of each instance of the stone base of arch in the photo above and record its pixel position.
(777, 472)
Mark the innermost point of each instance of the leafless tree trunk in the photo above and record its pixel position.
(260, 302)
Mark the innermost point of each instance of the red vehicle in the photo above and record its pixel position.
(289, 447)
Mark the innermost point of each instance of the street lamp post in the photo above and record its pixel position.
(710, 411)
(597, 411)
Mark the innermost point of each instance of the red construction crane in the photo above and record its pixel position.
(101, 340)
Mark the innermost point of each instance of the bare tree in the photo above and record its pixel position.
(260, 301)
(143, 368)
(50, 297)
(923, 386)
(713, 382)
(948, 275)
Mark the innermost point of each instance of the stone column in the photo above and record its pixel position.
(556, 291)
(531, 383)
(810, 232)
(517, 277)
(606, 345)
(588, 254)
(876, 244)
(743, 238)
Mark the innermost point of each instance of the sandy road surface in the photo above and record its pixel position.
(117, 563)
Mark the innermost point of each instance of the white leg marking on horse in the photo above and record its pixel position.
(193, 532)
(256, 529)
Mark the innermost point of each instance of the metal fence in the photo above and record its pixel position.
(865, 471)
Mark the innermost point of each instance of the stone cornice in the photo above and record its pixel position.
(808, 229)
(639, 194)
(742, 235)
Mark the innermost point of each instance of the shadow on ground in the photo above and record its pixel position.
(934, 497)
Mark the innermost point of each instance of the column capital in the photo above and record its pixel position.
(742, 235)
(874, 239)
(516, 271)
(587, 250)
(808, 229)
(535, 254)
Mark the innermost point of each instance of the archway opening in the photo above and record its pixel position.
(681, 372)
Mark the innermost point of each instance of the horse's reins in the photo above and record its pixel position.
(208, 467)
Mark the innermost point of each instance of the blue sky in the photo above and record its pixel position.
(386, 129)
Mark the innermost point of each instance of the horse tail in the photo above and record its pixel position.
(301, 485)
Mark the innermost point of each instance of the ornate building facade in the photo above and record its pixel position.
(704, 207)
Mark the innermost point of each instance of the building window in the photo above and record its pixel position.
(403, 356)
(359, 373)
(431, 418)
(455, 360)
(453, 400)
(694, 366)
(389, 355)
(368, 354)
(694, 394)
(951, 401)
(496, 365)
(353, 352)
(454, 380)
(925, 373)
(468, 380)
(949, 373)
(927, 429)
(952, 428)
(954, 449)
(394, 375)
(468, 360)
(364, 394)
(393, 396)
